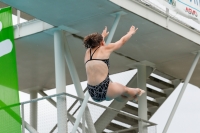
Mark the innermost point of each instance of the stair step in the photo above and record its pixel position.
(125, 119)
(160, 100)
(149, 103)
(132, 110)
(168, 91)
(153, 109)
(161, 78)
(152, 103)
(117, 127)
(155, 94)
(163, 75)
(114, 127)
(159, 83)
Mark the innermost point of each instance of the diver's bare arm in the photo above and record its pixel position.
(114, 46)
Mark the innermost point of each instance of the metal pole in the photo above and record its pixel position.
(73, 72)
(18, 16)
(22, 110)
(112, 31)
(60, 81)
(182, 92)
(81, 111)
(142, 101)
(78, 87)
(83, 123)
(33, 110)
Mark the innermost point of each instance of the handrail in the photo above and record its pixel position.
(70, 95)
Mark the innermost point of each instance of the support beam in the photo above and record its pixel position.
(30, 27)
(112, 31)
(142, 101)
(33, 110)
(182, 92)
(77, 84)
(60, 81)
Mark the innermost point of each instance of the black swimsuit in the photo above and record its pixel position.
(98, 92)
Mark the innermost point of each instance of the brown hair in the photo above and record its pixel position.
(92, 40)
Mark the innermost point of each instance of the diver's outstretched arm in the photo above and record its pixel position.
(114, 46)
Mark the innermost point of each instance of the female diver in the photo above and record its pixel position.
(97, 56)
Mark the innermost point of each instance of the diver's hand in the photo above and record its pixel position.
(105, 33)
(133, 30)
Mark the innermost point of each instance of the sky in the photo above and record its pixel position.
(187, 116)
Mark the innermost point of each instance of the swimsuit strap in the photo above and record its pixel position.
(93, 52)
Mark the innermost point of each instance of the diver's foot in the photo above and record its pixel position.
(141, 92)
(137, 95)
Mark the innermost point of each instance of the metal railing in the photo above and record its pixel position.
(48, 116)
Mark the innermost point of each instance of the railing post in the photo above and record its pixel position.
(33, 110)
(23, 125)
(182, 92)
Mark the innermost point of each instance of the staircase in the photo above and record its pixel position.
(159, 87)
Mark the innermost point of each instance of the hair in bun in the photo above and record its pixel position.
(93, 40)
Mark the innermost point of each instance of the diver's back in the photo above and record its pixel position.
(96, 68)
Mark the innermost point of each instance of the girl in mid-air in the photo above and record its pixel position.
(97, 56)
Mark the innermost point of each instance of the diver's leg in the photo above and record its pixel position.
(117, 90)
